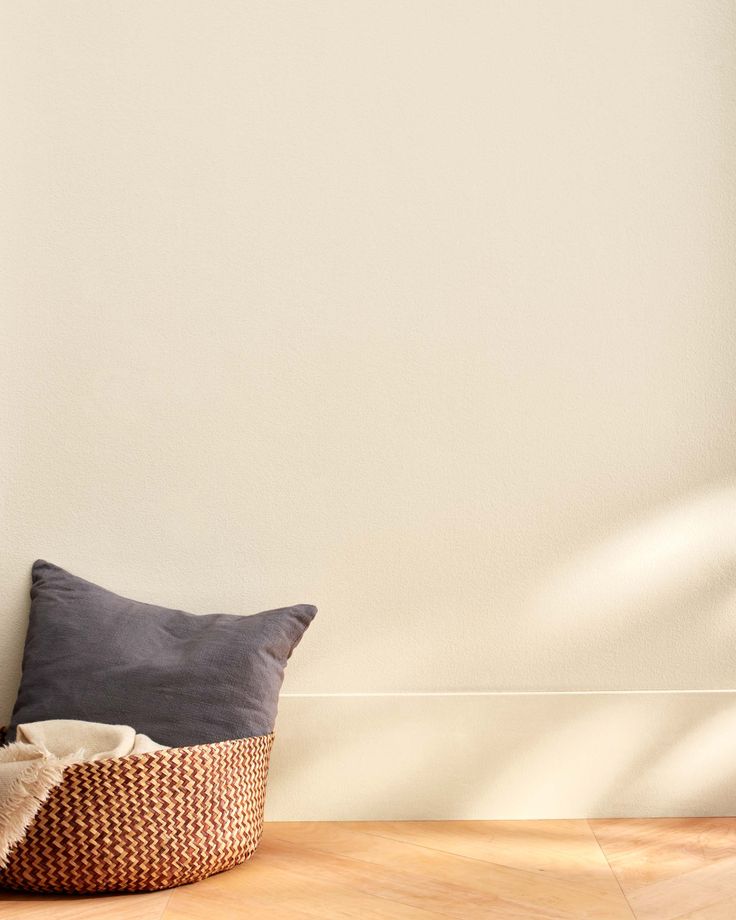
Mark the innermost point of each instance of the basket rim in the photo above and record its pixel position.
(107, 762)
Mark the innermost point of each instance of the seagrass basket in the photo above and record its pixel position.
(146, 821)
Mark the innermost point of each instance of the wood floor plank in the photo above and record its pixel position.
(672, 867)
(566, 849)
(723, 910)
(16, 906)
(642, 851)
(670, 898)
(457, 886)
(260, 888)
(198, 908)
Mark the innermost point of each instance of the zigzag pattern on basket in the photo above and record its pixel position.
(148, 821)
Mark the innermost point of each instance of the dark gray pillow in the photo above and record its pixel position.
(182, 679)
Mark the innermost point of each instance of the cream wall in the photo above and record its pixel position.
(419, 311)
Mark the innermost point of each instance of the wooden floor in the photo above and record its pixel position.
(664, 869)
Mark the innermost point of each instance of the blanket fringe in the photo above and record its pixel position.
(25, 796)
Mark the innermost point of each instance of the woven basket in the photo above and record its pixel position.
(146, 821)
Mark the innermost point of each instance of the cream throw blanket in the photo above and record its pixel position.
(34, 764)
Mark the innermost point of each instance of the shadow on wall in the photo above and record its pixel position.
(651, 587)
(648, 588)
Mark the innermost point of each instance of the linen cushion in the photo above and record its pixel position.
(180, 678)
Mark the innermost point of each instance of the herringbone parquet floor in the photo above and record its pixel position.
(654, 869)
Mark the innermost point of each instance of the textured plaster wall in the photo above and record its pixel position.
(419, 311)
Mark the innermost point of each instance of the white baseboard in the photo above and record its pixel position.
(435, 756)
